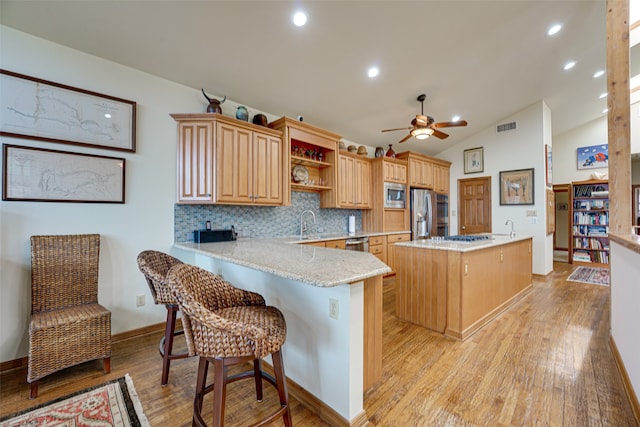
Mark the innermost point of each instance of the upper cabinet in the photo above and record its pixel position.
(312, 158)
(354, 181)
(249, 161)
(427, 172)
(395, 172)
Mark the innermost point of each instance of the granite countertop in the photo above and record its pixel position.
(320, 237)
(629, 241)
(444, 245)
(313, 265)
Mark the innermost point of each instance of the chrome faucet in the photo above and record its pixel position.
(303, 225)
(512, 234)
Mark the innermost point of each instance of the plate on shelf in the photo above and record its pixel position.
(300, 174)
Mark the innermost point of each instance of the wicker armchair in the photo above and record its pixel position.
(225, 326)
(68, 326)
(155, 266)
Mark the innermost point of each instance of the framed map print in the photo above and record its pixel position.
(38, 109)
(36, 174)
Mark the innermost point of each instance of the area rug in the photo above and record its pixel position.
(593, 275)
(114, 403)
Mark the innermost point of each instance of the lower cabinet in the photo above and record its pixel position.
(392, 239)
(378, 247)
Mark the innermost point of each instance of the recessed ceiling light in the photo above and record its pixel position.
(606, 110)
(598, 73)
(107, 115)
(373, 72)
(569, 65)
(554, 29)
(299, 19)
(455, 118)
(603, 95)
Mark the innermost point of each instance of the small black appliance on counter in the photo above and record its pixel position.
(209, 236)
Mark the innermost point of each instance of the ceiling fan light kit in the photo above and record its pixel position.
(424, 126)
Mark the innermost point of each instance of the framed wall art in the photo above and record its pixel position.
(36, 174)
(516, 187)
(474, 160)
(38, 109)
(549, 165)
(593, 157)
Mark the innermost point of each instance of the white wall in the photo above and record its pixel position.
(145, 221)
(565, 148)
(522, 148)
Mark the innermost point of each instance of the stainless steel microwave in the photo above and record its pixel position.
(395, 195)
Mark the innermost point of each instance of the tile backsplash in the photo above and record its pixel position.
(262, 221)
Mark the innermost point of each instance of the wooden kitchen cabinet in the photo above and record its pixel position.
(248, 166)
(336, 244)
(378, 247)
(427, 172)
(249, 161)
(298, 138)
(441, 173)
(379, 218)
(392, 239)
(394, 172)
(354, 182)
(195, 161)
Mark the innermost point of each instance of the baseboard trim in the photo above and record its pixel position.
(626, 381)
(318, 407)
(158, 327)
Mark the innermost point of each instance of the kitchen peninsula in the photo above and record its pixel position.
(332, 302)
(456, 288)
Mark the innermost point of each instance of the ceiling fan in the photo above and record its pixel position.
(424, 126)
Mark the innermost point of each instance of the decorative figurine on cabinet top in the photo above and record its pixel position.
(242, 113)
(214, 104)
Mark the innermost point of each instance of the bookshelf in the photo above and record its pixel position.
(590, 223)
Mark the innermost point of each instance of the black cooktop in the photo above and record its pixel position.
(467, 238)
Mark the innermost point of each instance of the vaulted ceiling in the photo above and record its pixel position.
(481, 60)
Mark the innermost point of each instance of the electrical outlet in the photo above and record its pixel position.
(140, 300)
(534, 220)
(334, 308)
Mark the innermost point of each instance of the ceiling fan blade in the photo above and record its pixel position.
(405, 138)
(439, 134)
(450, 124)
(391, 130)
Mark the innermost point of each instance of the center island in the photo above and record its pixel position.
(332, 303)
(456, 288)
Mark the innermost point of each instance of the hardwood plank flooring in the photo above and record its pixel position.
(545, 361)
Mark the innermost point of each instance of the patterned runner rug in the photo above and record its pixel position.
(593, 275)
(114, 403)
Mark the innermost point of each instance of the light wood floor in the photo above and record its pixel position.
(544, 362)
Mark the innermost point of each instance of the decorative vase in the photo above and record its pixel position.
(242, 113)
(379, 152)
(390, 152)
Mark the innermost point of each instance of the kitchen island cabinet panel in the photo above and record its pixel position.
(469, 286)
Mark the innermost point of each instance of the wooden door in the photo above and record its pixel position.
(234, 174)
(346, 173)
(474, 205)
(267, 168)
(195, 162)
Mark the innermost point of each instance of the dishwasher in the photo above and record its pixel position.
(360, 244)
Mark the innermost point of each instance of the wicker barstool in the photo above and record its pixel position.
(226, 326)
(67, 326)
(155, 266)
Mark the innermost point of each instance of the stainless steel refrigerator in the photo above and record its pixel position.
(429, 214)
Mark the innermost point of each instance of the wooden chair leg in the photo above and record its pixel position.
(281, 385)
(107, 365)
(219, 392)
(34, 390)
(201, 383)
(257, 374)
(172, 311)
